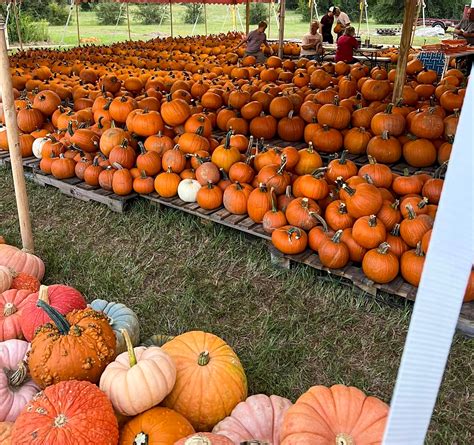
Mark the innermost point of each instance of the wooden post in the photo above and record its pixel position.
(17, 24)
(247, 17)
(128, 22)
(281, 33)
(407, 30)
(14, 145)
(311, 9)
(361, 7)
(205, 18)
(171, 18)
(77, 26)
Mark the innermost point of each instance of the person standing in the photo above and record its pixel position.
(325, 26)
(312, 42)
(346, 44)
(254, 41)
(342, 21)
(465, 28)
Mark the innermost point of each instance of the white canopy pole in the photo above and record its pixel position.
(438, 301)
(71, 8)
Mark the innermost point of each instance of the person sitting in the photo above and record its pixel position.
(311, 45)
(346, 44)
(254, 41)
(342, 21)
(325, 27)
(465, 28)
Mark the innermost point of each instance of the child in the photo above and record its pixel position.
(346, 45)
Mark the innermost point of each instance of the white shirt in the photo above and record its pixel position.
(310, 39)
(343, 19)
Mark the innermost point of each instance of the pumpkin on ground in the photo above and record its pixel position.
(77, 346)
(16, 388)
(119, 317)
(258, 418)
(21, 261)
(336, 415)
(62, 298)
(138, 379)
(160, 426)
(210, 379)
(73, 412)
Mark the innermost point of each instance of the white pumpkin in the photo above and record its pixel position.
(38, 146)
(187, 190)
(6, 279)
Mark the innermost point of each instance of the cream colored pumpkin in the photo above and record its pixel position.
(21, 261)
(38, 146)
(187, 190)
(258, 418)
(6, 279)
(138, 379)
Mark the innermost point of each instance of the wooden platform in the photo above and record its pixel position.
(351, 275)
(76, 188)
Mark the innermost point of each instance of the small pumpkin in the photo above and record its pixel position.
(290, 240)
(333, 253)
(158, 425)
(12, 303)
(138, 379)
(188, 189)
(64, 412)
(119, 317)
(380, 265)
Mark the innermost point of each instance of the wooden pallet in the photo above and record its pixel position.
(29, 163)
(350, 275)
(78, 189)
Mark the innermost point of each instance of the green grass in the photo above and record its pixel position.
(219, 20)
(291, 329)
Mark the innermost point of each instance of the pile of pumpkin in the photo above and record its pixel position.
(139, 128)
(74, 373)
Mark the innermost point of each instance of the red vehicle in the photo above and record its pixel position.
(442, 23)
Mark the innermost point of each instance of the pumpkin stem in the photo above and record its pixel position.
(343, 185)
(385, 135)
(227, 139)
(141, 439)
(43, 294)
(342, 160)
(274, 204)
(16, 378)
(284, 160)
(131, 353)
(372, 160)
(389, 108)
(383, 248)
(295, 230)
(141, 147)
(369, 179)
(396, 230)
(321, 220)
(422, 203)
(344, 439)
(288, 191)
(9, 309)
(372, 221)
(411, 212)
(419, 250)
(58, 319)
(342, 209)
(203, 358)
(248, 153)
(337, 237)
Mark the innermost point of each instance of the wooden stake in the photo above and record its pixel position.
(407, 30)
(14, 145)
(128, 22)
(247, 17)
(281, 33)
(77, 26)
(17, 24)
(205, 18)
(311, 9)
(171, 18)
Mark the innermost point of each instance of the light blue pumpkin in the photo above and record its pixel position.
(120, 317)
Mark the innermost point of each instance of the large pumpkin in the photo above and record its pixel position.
(76, 347)
(6, 433)
(120, 317)
(12, 303)
(210, 379)
(21, 261)
(62, 298)
(258, 418)
(337, 415)
(72, 412)
(157, 426)
(16, 388)
(138, 379)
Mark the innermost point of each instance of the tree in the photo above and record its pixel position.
(108, 13)
(258, 13)
(151, 14)
(192, 13)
